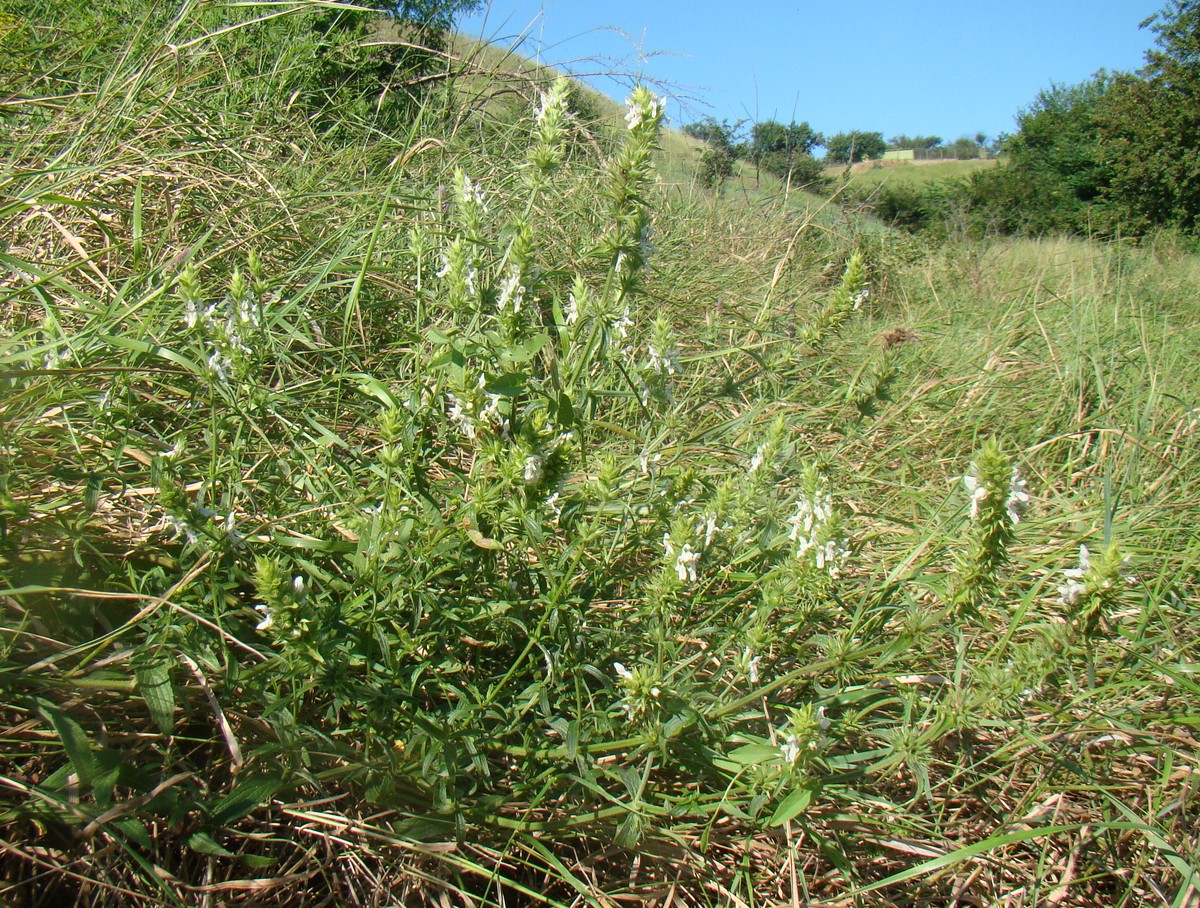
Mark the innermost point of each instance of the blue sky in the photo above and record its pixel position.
(922, 67)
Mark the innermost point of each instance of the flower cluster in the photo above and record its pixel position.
(644, 110)
(229, 326)
(1093, 589)
(642, 687)
(282, 604)
(814, 528)
(686, 559)
(549, 134)
(803, 735)
(997, 499)
(1016, 495)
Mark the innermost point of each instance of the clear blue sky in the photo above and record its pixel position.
(922, 67)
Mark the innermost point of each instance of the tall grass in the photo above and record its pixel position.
(456, 511)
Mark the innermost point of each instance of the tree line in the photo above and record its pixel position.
(787, 151)
(1116, 154)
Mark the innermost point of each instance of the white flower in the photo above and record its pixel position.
(460, 417)
(751, 665)
(571, 310)
(219, 365)
(512, 292)
(231, 531)
(649, 461)
(623, 324)
(622, 671)
(471, 194)
(1071, 591)
(685, 564)
(668, 545)
(268, 617)
(708, 526)
(1018, 497)
(664, 362)
(298, 586)
(978, 492)
(791, 750)
(757, 460)
(643, 107)
(534, 469)
(491, 413)
(181, 529)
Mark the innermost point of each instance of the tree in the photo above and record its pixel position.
(1054, 180)
(786, 151)
(793, 139)
(855, 146)
(903, 142)
(714, 133)
(1148, 126)
(965, 148)
(438, 15)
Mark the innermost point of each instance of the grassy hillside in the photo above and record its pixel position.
(913, 173)
(424, 493)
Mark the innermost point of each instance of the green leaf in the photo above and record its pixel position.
(791, 807)
(483, 541)
(203, 843)
(154, 683)
(754, 753)
(252, 793)
(526, 351)
(258, 861)
(155, 350)
(75, 743)
(132, 829)
(511, 384)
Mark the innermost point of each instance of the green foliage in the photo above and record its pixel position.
(905, 142)
(717, 157)
(770, 136)
(1147, 127)
(1054, 174)
(965, 148)
(786, 152)
(852, 147)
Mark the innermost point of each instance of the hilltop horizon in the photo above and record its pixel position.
(920, 69)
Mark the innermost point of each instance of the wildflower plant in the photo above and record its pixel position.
(1093, 590)
(997, 498)
(400, 531)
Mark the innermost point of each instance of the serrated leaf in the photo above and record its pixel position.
(154, 684)
(791, 807)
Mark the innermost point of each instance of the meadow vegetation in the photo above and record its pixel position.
(410, 496)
